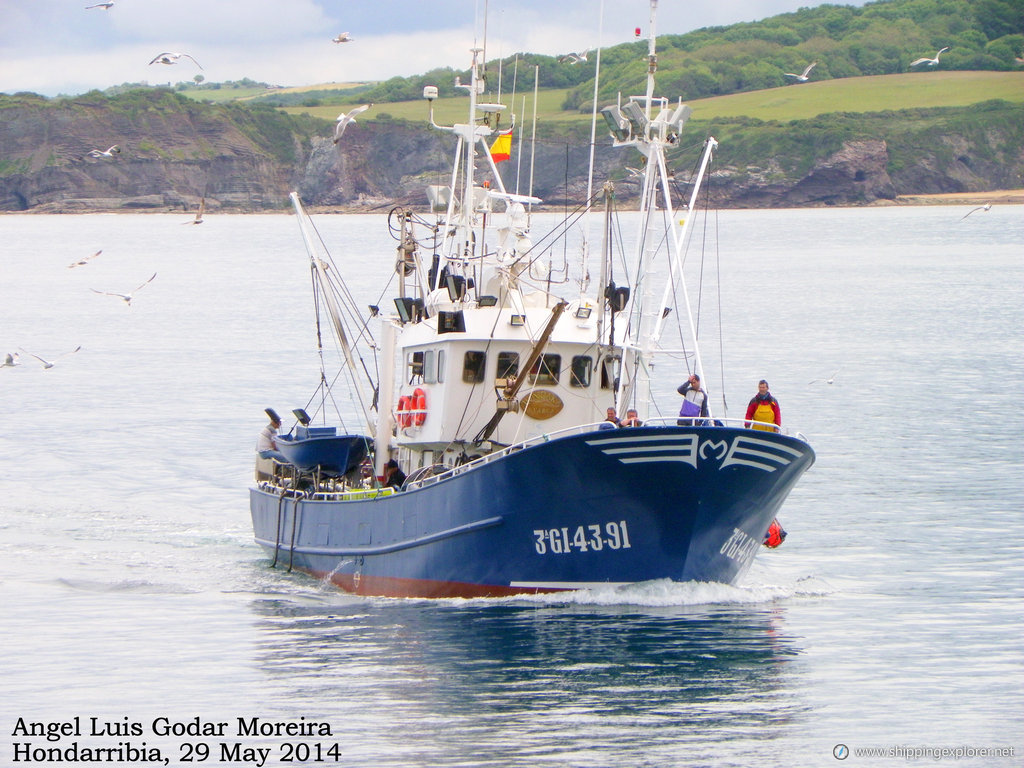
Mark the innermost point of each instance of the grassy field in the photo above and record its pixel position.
(450, 110)
(867, 94)
(247, 94)
(792, 102)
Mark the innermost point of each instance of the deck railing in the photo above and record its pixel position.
(579, 429)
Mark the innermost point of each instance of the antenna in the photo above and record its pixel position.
(652, 61)
(593, 116)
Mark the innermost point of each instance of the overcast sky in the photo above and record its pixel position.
(58, 47)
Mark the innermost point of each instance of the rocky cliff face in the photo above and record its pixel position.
(171, 153)
(174, 151)
(856, 174)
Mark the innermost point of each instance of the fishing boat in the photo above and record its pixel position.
(489, 384)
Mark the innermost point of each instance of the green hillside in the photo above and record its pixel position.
(880, 93)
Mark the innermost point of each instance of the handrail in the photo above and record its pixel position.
(658, 421)
(579, 429)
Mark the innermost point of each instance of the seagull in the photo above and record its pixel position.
(127, 297)
(984, 207)
(344, 37)
(10, 361)
(199, 214)
(930, 62)
(48, 363)
(830, 380)
(172, 58)
(802, 78)
(345, 119)
(573, 58)
(86, 260)
(114, 150)
(104, 6)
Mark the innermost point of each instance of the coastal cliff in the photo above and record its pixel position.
(174, 151)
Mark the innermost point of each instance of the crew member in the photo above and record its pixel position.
(763, 411)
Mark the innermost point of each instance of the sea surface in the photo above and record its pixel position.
(133, 601)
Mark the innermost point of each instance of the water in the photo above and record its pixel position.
(891, 617)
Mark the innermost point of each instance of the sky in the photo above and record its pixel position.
(54, 47)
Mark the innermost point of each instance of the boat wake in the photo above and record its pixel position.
(136, 586)
(665, 592)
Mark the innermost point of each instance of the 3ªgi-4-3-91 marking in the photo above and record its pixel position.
(584, 538)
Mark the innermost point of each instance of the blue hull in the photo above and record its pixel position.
(605, 507)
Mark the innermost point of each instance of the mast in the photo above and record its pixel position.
(337, 319)
(650, 134)
(460, 215)
(652, 60)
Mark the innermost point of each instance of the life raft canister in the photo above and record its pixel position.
(403, 416)
(419, 407)
(775, 535)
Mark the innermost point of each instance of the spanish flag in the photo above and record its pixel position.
(501, 149)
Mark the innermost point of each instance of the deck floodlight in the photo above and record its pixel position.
(679, 117)
(301, 416)
(636, 117)
(487, 301)
(617, 124)
(517, 320)
(582, 313)
(456, 285)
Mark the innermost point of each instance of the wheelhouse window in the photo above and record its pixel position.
(508, 365)
(473, 365)
(610, 372)
(429, 367)
(580, 371)
(414, 361)
(545, 370)
(440, 366)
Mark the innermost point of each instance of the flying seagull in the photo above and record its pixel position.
(344, 37)
(127, 297)
(104, 6)
(802, 78)
(344, 120)
(984, 207)
(830, 380)
(10, 361)
(172, 58)
(930, 62)
(573, 58)
(114, 150)
(199, 214)
(49, 363)
(86, 260)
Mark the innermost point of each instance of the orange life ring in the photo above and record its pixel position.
(403, 416)
(419, 407)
